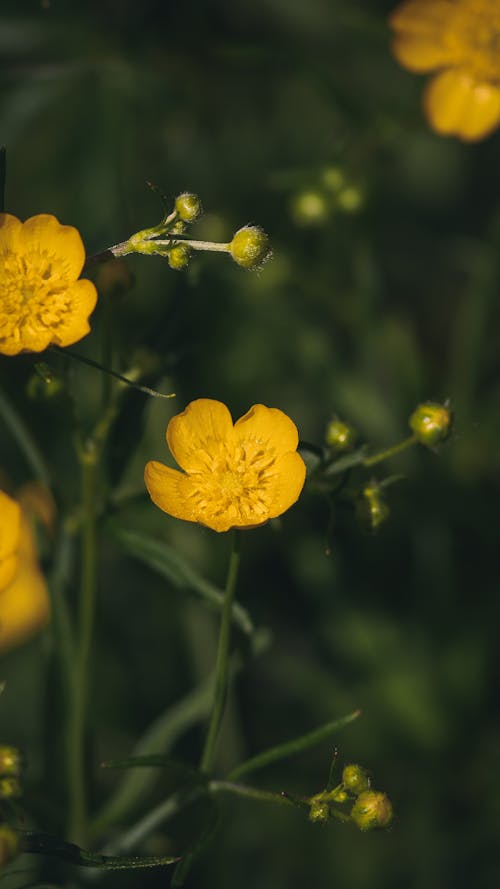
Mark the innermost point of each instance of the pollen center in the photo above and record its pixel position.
(34, 292)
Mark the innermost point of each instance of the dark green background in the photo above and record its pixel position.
(366, 315)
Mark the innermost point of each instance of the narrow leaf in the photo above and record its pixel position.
(44, 844)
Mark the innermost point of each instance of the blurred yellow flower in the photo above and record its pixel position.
(460, 39)
(235, 476)
(41, 300)
(24, 599)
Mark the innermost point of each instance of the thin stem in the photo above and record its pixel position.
(390, 452)
(244, 790)
(211, 246)
(76, 753)
(222, 663)
(24, 439)
(112, 373)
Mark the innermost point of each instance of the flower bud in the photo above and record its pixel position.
(372, 809)
(10, 787)
(188, 207)
(250, 247)
(355, 779)
(11, 761)
(178, 257)
(371, 508)
(339, 435)
(350, 199)
(10, 843)
(431, 422)
(309, 208)
(333, 178)
(319, 812)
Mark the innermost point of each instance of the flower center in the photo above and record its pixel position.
(34, 292)
(474, 36)
(236, 481)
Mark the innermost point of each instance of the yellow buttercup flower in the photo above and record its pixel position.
(24, 599)
(235, 476)
(41, 300)
(460, 39)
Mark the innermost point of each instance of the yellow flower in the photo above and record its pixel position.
(24, 600)
(235, 476)
(460, 39)
(41, 300)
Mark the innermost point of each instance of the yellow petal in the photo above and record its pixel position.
(420, 41)
(24, 606)
(10, 229)
(45, 234)
(269, 427)
(81, 297)
(201, 429)
(10, 525)
(288, 483)
(8, 568)
(171, 490)
(458, 105)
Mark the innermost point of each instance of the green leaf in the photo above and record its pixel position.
(292, 748)
(167, 562)
(45, 844)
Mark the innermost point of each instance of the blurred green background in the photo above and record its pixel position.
(389, 297)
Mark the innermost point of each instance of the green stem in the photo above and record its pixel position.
(77, 779)
(264, 796)
(390, 452)
(24, 439)
(112, 373)
(222, 663)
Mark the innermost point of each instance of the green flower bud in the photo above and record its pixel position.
(11, 761)
(250, 247)
(333, 178)
(179, 256)
(188, 207)
(10, 843)
(350, 199)
(309, 208)
(339, 435)
(10, 787)
(371, 508)
(431, 422)
(355, 779)
(319, 812)
(372, 809)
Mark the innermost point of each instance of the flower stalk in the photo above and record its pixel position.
(222, 662)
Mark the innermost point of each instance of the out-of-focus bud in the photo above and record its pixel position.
(309, 208)
(10, 788)
(44, 384)
(178, 257)
(431, 422)
(113, 278)
(188, 206)
(250, 247)
(11, 761)
(350, 199)
(372, 809)
(371, 508)
(333, 178)
(355, 779)
(340, 436)
(10, 843)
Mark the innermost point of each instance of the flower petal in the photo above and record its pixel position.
(420, 26)
(10, 524)
(8, 568)
(172, 491)
(268, 427)
(45, 234)
(458, 105)
(81, 298)
(10, 229)
(288, 483)
(200, 430)
(24, 603)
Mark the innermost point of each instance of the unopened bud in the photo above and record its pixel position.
(178, 257)
(355, 779)
(431, 422)
(250, 247)
(309, 208)
(339, 435)
(319, 812)
(188, 207)
(10, 843)
(371, 508)
(372, 809)
(350, 199)
(10, 787)
(11, 761)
